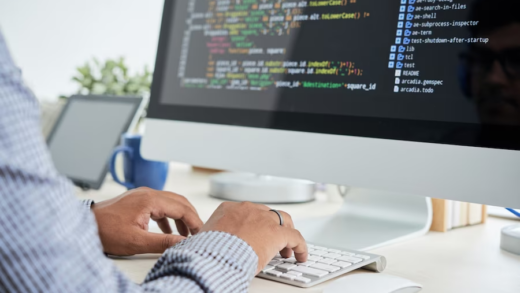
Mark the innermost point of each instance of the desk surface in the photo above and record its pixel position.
(462, 260)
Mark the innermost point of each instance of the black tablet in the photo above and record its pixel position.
(86, 133)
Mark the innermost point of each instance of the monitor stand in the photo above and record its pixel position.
(261, 188)
(369, 219)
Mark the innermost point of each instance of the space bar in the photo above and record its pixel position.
(310, 271)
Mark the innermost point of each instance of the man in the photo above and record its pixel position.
(49, 242)
(492, 70)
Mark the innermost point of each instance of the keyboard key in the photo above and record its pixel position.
(365, 257)
(285, 266)
(347, 253)
(350, 259)
(274, 263)
(320, 248)
(327, 260)
(309, 245)
(302, 280)
(310, 250)
(267, 268)
(289, 260)
(310, 271)
(313, 258)
(341, 264)
(297, 274)
(318, 252)
(334, 250)
(325, 267)
(274, 273)
(288, 276)
(306, 264)
(332, 255)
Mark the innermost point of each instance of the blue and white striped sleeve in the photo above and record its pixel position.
(49, 241)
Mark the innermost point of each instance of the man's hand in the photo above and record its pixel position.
(123, 221)
(261, 229)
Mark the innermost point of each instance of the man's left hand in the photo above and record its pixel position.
(123, 221)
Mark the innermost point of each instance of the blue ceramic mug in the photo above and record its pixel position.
(138, 171)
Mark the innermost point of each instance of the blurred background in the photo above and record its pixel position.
(70, 46)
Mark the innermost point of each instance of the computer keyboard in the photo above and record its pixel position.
(322, 264)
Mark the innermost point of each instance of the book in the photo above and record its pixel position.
(456, 214)
(449, 213)
(474, 214)
(464, 206)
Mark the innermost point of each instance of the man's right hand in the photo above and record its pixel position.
(261, 229)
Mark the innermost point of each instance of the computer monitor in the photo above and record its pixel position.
(407, 96)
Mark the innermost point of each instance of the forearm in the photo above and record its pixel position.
(209, 262)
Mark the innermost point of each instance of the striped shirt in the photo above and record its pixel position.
(49, 240)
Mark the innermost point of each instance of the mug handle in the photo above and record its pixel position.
(118, 150)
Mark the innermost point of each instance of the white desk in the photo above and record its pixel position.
(462, 260)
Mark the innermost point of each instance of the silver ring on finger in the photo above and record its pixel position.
(279, 216)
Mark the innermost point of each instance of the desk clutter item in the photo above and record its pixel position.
(322, 264)
(138, 172)
(510, 239)
(373, 283)
(85, 133)
(450, 214)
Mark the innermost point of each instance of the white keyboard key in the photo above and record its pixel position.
(365, 257)
(341, 264)
(278, 255)
(347, 253)
(334, 250)
(332, 255)
(350, 259)
(297, 274)
(306, 264)
(267, 268)
(309, 245)
(320, 248)
(302, 280)
(325, 267)
(274, 273)
(289, 260)
(274, 263)
(310, 271)
(318, 252)
(313, 258)
(327, 261)
(288, 276)
(310, 250)
(285, 266)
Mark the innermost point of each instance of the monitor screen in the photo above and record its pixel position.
(437, 71)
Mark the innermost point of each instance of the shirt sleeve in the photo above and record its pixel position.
(49, 242)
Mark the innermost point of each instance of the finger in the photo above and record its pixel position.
(178, 211)
(178, 197)
(182, 228)
(286, 252)
(164, 225)
(156, 243)
(287, 219)
(296, 242)
(288, 223)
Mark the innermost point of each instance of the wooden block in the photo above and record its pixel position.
(484, 213)
(440, 215)
(205, 170)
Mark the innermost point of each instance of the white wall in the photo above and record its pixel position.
(50, 38)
